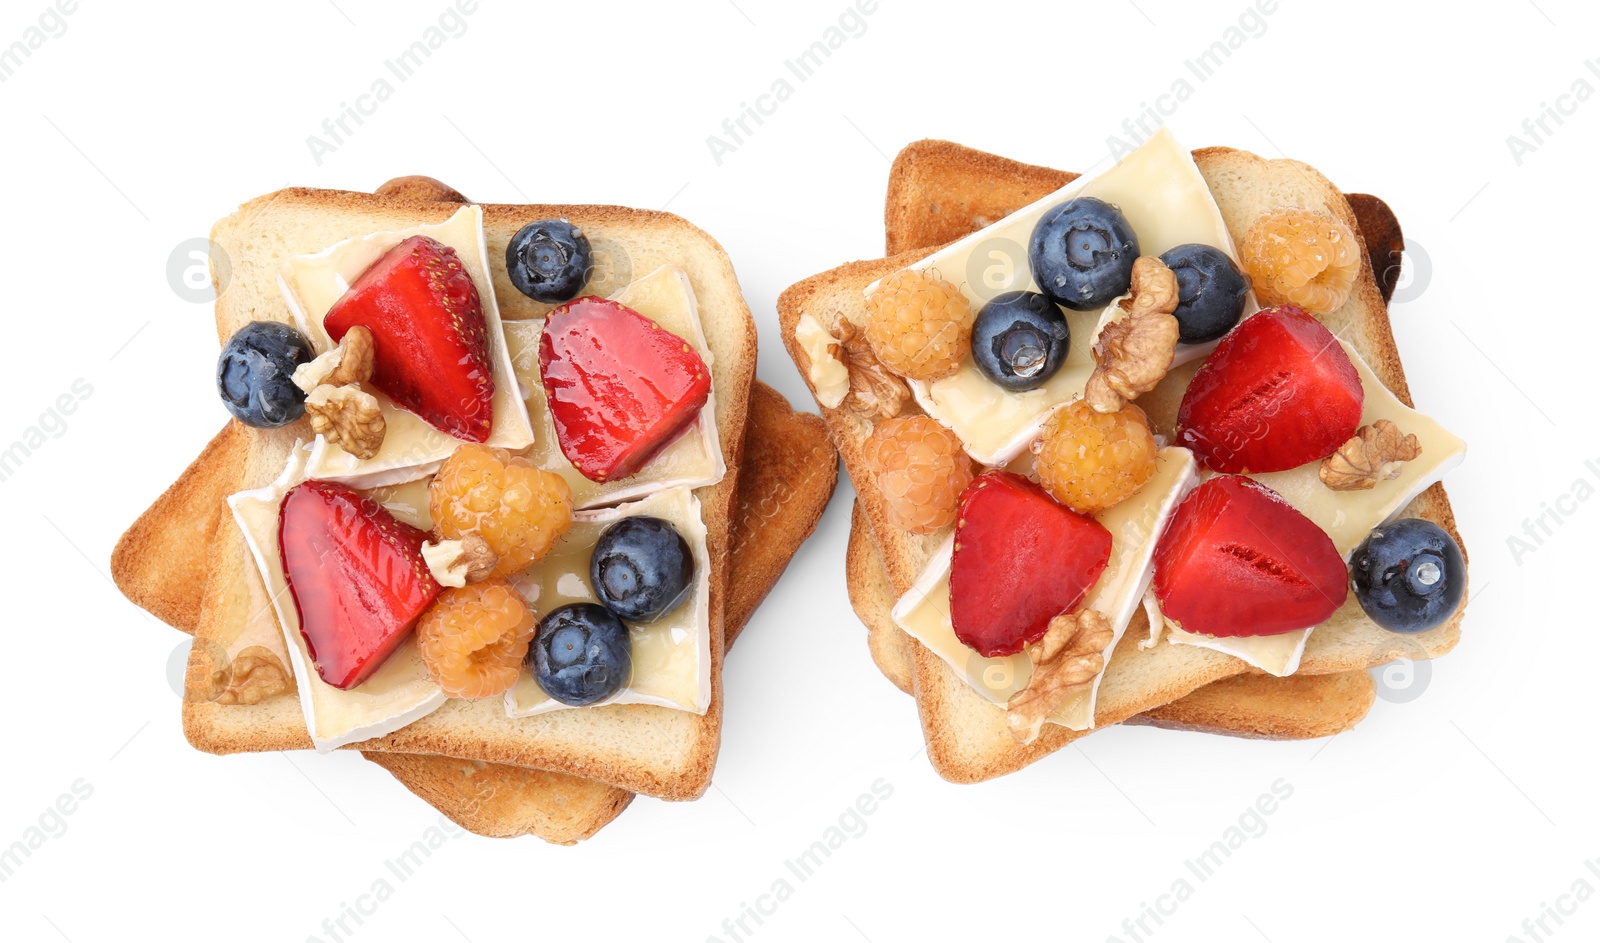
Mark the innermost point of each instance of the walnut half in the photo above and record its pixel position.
(1375, 453)
(1069, 656)
(1135, 351)
(350, 362)
(256, 675)
(348, 417)
(875, 393)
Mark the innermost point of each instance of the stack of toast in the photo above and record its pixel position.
(560, 776)
(940, 192)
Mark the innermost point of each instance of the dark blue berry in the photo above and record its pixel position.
(255, 374)
(549, 260)
(1082, 253)
(641, 568)
(1020, 340)
(1211, 291)
(581, 655)
(1409, 575)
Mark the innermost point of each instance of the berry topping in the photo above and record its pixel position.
(620, 388)
(549, 260)
(919, 325)
(920, 469)
(519, 510)
(1020, 560)
(641, 568)
(1211, 291)
(1237, 560)
(473, 639)
(431, 344)
(357, 577)
(581, 655)
(1301, 257)
(1279, 391)
(1091, 460)
(1082, 253)
(1020, 340)
(1409, 575)
(255, 374)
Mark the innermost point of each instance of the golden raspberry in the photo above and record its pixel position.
(473, 639)
(919, 325)
(1301, 257)
(518, 509)
(1090, 461)
(921, 470)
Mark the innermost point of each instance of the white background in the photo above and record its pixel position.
(1456, 815)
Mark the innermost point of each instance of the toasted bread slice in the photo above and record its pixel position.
(939, 191)
(663, 752)
(1260, 707)
(788, 476)
(966, 734)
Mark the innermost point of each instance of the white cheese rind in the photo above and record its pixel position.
(671, 656)
(312, 284)
(693, 460)
(1346, 516)
(924, 611)
(398, 693)
(828, 375)
(1166, 201)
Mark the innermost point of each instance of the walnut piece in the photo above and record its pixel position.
(1068, 657)
(1375, 453)
(350, 362)
(875, 393)
(459, 562)
(348, 417)
(256, 676)
(1135, 351)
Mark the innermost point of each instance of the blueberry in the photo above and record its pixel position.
(1020, 340)
(1082, 253)
(255, 374)
(1408, 575)
(641, 568)
(581, 655)
(1211, 291)
(549, 260)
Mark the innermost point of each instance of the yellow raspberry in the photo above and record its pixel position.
(1090, 461)
(519, 510)
(473, 639)
(921, 471)
(1301, 257)
(919, 325)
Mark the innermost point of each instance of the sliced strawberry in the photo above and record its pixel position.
(1020, 560)
(431, 344)
(1279, 391)
(1237, 560)
(357, 577)
(619, 387)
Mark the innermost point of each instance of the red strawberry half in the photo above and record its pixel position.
(431, 344)
(620, 388)
(1279, 391)
(357, 577)
(1237, 560)
(1020, 560)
